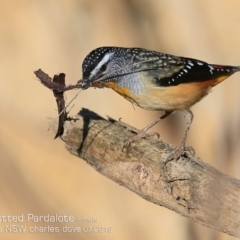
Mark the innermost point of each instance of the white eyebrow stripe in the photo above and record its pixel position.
(102, 62)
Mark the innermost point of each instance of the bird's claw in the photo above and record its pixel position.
(140, 135)
(180, 152)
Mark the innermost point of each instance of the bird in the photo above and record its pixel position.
(153, 81)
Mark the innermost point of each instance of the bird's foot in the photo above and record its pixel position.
(182, 151)
(141, 134)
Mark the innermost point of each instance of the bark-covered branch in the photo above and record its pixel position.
(187, 186)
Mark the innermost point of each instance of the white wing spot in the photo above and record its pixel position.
(200, 63)
(211, 69)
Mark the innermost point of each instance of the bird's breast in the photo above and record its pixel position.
(151, 97)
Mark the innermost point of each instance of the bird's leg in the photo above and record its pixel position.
(143, 133)
(189, 118)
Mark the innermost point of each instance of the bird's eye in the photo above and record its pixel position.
(103, 68)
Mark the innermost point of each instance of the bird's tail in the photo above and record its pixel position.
(221, 72)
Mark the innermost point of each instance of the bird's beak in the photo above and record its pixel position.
(84, 83)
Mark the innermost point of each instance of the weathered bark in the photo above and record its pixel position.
(187, 186)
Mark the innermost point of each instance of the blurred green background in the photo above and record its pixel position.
(38, 176)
